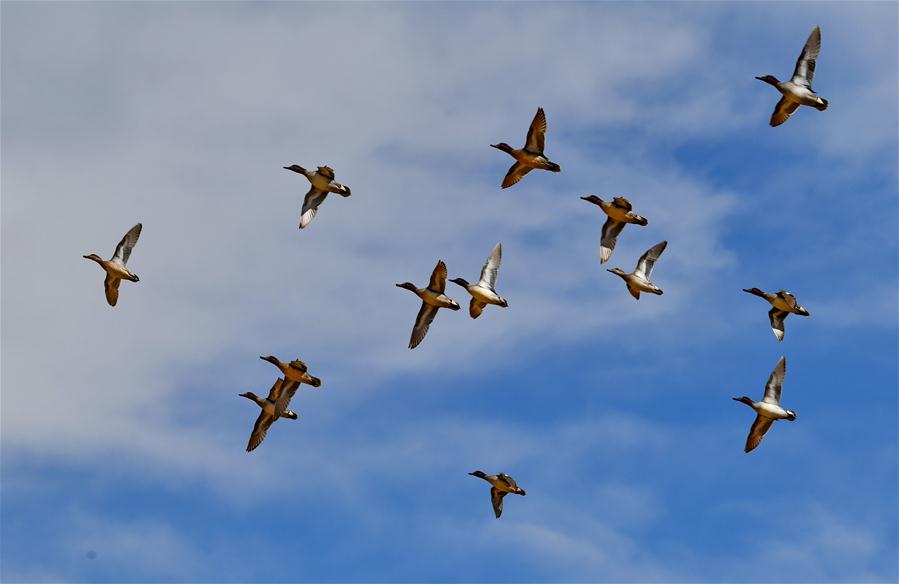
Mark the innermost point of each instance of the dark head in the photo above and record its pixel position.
(296, 168)
(271, 359)
(743, 399)
(460, 281)
(249, 395)
(478, 473)
(94, 257)
(791, 415)
(770, 79)
(593, 199)
(618, 272)
(408, 286)
(504, 147)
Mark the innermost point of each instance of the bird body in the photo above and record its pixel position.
(769, 409)
(433, 298)
(116, 267)
(273, 408)
(798, 90)
(295, 371)
(531, 156)
(783, 304)
(639, 280)
(483, 292)
(322, 182)
(620, 213)
(500, 485)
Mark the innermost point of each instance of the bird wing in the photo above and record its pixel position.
(782, 111)
(259, 430)
(123, 249)
(491, 267)
(111, 285)
(757, 432)
(805, 65)
(288, 390)
(422, 322)
(476, 307)
(313, 199)
(777, 322)
(648, 259)
(515, 174)
(496, 497)
(536, 133)
(775, 382)
(635, 292)
(789, 299)
(507, 479)
(438, 278)
(622, 203)
(610, 231)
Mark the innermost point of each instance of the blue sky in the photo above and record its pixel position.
(122, 434)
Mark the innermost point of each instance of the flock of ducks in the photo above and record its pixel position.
(619, 212)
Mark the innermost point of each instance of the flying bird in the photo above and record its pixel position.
(433, 298)
(620, 214)
(484, 292)
(273, 407)
(323, 182)
(531, 156)
(501, 485)
(783, 304)
(769, 409)
(295, 371)
(638, 280)
(798, 90)
(115, 267)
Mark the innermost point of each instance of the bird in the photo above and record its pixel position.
(502, 484)
(783, 304)
(295, 371)
(433, 298)
(531, 156)
(115, 267)
(323, 182)
(798, 90)
(620, 214)
(769, 409)
(638, 281)
(273, 407)
(484, 292)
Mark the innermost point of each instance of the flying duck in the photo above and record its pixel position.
(798, 90)
(295, 371)
(501, 485)
(531, 156)
(432, 299)
(769, 409)
(273, 407)
(115, 266)
(784, 304)
(620, 214)
(638, 280)
(322, 183)
(484, 293)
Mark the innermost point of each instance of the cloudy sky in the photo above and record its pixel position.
(122, 433)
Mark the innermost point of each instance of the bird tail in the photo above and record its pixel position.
(822, 105)
(640, 220)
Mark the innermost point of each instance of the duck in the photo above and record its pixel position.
(531, 156)
(323, 182)
(433, 298)
(273, 408)
(295, 371)
(620, 214)
(798, 90)
(115, 267)
(769, 409)
(783, 304)
(638, 280)
(501, 485)
(484, 292)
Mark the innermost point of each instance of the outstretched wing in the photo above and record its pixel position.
(610, 231)
(757, 432)
(281, 393)
(422, 323)
(496, 497)
(648, 259)
(805, 65)
(515, 174)
(438, 278)
(111, 285)
(491, 267)
(775, 382)
(476, 307)
(782, 111)
(313, 199)
(263, 422)
(536, 133)
(123, 249)
(777, 322)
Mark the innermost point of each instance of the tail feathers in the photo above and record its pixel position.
(823, 105)
(553, 167)
(640, 220)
